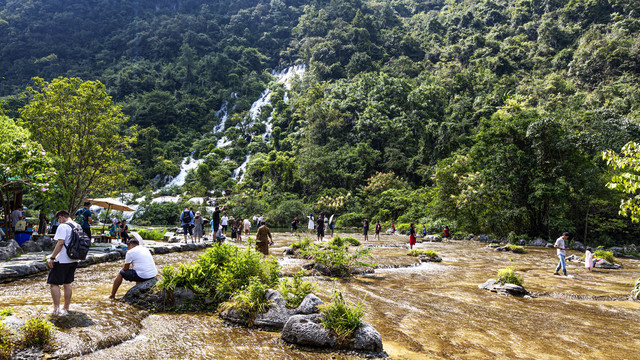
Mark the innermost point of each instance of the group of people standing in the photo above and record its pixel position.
(319, 225)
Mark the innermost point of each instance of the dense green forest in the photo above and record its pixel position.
(490, 116)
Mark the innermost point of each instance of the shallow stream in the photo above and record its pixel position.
(423, 311)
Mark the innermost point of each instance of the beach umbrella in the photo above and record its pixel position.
(110, 204)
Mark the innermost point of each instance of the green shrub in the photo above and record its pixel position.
(517, 249)
(38, 331)
(6, 343)
(336, 260)
(428, 253)
(157, 234)
(6, 312)
(508, 276)
(341, 317)
(337, 241)
(351, 240)
(606, 255)
(221, 272)
(349, 220)
(251, 300)
(294, 290)
(301, 244)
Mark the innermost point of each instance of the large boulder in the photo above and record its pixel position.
(277, 315)
(538, 242)
(484, 238)
(433, 238)
(7, 275)
(578, 246)
(366, 338)
(604, 264)
(175, 239)
(617, 251)
(44, 241)
(31, 246)
(168, 235)
(142, 295)
(307, 330)
(505, 289)
(309, 305)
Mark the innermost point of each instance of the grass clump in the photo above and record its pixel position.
(38, 331)
(427, 253)
(341, 317)
(301, 244)
(351, 240)
(251, 300)
(337, 241)
(221, 272)
(337, 260)
(509, 276)
(6, 343)
(517, 249)
(151, 234)
(6, 312)
(295, 290)
(606, 255)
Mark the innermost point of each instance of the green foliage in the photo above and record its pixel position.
(294, 290)
(79, 124)
(250, 300)
(606, 255)
(337, 241)
(302, 244)
(7, 344)
(153, 234)
(166, 213)
(350, 220)
(342, 317)
(509, 276)
(517, 249)
(627, 179)
(38, 331)
(6, 312)
(221, 272)
(427, 253)
(337, 260)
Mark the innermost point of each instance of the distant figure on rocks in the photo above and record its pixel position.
(114, 230)
(393, 228)
(198, 231)
(247, 226)
(446, 232)
(124, 232)
(365, 229)
(224, 222)
(332, 223)
(294, 225)
(412, 236)
(311, 224)
(264, 239)
(138, 266)
(186, 220)
(424, 231)
(62, 268)
(378, 228)
(561, 251)
(215, 220)
(588, 259)
(320, 229)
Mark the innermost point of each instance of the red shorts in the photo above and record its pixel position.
(412, 240)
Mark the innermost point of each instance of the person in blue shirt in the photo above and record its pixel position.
(83, 217)
(186, 221)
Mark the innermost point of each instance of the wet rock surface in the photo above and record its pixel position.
(505, 289)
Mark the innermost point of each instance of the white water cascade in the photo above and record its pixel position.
(188, 163)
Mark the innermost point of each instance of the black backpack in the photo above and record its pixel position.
(186, 217)
(79, 244)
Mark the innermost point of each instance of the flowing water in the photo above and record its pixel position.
(423, 311)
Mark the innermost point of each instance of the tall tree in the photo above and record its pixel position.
(81, 127)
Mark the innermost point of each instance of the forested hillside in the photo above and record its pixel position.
(489, 116)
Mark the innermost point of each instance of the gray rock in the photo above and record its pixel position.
(502, 248)
(573, 258)
(6, 253)
(403, 232)
(484, 238)
(277, 315)
(604, 264)
(288, 251)
(136, 293)
(631, 248)
(433, 238)
(488, 285)
(617, 251)
(538, 242)
(237, 317)
(390, 231)
(471, 237)
(493, 246)
(44, 241)
(31, 246)
(309, 305)
(168, 235)
(366, 338)
(175, 239)
(578, 246)
(13, 323)
(183, 297)
(522, 242)
(307, 330)
(512, 289)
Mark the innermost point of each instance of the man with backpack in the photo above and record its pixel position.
(70, 239)
(186, 221)
(83, 218)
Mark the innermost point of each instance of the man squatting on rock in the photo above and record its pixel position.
(138, 266)
(62, 268)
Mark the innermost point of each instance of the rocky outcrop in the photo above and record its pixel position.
(484, 238)
(505, 289)
(578, 246)
(604, 264)
(538, 242)
(433, 238)
(9, 249)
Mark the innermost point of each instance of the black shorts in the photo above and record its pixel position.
(224, 228)
(320, 231)
(186, 229)
(131, 275)
(62, 274)
(365, 231)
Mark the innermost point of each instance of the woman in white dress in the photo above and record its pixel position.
(312, 223)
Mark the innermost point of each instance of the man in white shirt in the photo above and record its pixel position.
(138, 266)
(62, 268)
(224, 222)
(16, 215)
(562, 253)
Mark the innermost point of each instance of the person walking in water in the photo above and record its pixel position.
(446, 233)
(263, 239)
(562, 253)
(320, 228)
(294, 225)
(198, 230)
(62, 268)
(311, 224)
(412, 236)
(186, 220)
(378, 228)
(365, 229)
(588, 259)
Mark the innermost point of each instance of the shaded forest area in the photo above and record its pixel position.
(489, 116)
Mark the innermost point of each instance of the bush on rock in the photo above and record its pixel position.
(509, 276)
(341, 317)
